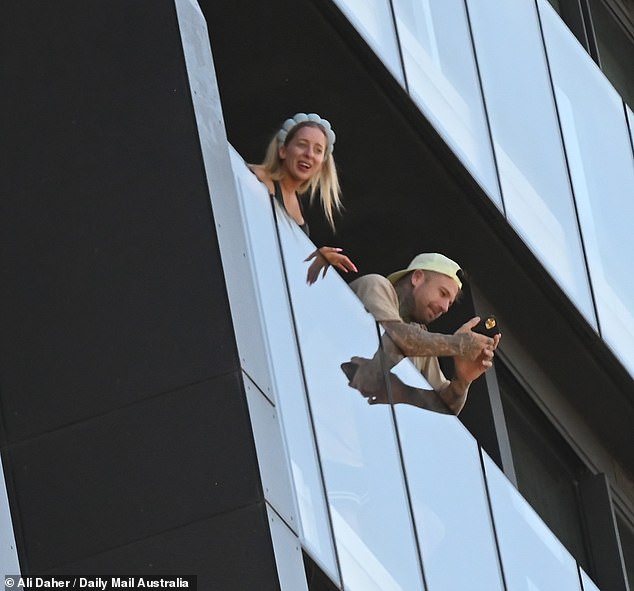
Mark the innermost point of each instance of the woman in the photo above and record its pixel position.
(299, 160)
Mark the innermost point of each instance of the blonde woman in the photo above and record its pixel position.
(299, 161)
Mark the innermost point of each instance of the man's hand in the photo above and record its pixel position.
(472, 344)
(478, 353)
(366, 376)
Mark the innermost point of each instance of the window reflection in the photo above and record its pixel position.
(527, 141)
(547, 469)
(442, 78)
(449, 502)
(389, 378)
(532, 557)
(616, 49)
(359, 455)
(626, 536)
(373, 18)
(278, 374)
(588, 583)
(600, 160)
(556, 5)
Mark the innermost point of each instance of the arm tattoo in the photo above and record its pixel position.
(413, 340)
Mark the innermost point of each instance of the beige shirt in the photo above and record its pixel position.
(380, 299)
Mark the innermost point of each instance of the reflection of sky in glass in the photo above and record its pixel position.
(442, 78)
(358, 450)
(535, 184)
(8, 555)
(602, 169)
(282, 362)
(356, 441)
(532, 557)
(373, 19)
(452, 516)
(588, 583)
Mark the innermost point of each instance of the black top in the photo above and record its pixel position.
(280, 199)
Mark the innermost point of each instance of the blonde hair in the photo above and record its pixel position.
(326, 180)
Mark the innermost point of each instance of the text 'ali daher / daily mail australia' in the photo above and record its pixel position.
(17, 582)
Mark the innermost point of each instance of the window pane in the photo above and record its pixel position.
(357, 445)
(602, 169)
(442, 79)
(616, 50)
(373, 19)
(626, 535)
(286, 389)
(532, 557)
(535, 184)
(443, 468)
(588, 583)
(8, 552)
(546, 468)
(556, 4)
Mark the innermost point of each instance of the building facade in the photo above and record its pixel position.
(171, 389)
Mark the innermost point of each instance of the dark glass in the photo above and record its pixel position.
(626, 535)
(547, 469)
(615, 45)
(556, 5)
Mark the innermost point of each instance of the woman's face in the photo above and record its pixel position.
(304, 155)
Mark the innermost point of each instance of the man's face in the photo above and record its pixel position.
(432, 295)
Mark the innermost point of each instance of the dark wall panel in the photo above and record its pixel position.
(111, 285)
(232, 560)
(124, 430)
(134, 472)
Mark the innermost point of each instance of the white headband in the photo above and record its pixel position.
(303, 117)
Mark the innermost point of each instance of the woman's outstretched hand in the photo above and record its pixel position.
(325, 257)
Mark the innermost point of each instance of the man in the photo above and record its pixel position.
(404, 303)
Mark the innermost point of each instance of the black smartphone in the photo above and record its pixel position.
(488, 326)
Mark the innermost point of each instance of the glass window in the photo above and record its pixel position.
(442, 79)
(532, 557)
(571, 13)
(316, 578)
(602, 170)
(373, 19)
(443, 468)
(616, 49)
(626, 535)
(556, 4)
(588, 583)
(285, 386)
(527, 140)
(546, 468)
(8, 553)
(360, 460)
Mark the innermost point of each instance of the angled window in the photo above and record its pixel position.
(546, 468)
(615, 48)
(606, 30)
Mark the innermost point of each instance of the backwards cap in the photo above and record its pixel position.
(430, 261)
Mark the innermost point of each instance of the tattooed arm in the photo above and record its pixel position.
(414, 340)
(473, 355)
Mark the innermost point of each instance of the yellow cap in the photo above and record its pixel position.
(430, 261)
